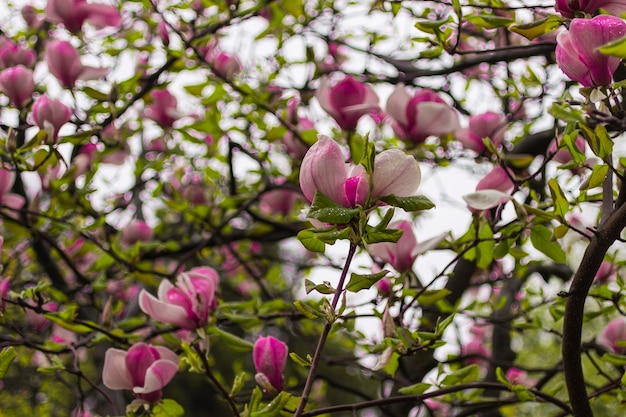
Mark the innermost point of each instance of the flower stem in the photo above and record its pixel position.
(327, 327)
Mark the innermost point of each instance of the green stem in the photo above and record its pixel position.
(327, 327)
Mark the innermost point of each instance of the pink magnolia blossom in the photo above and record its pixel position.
(568, 8)
(50, 115)
(486, 125)
(606, 272)
(163, 32)
(4, 291)
(64, 63)
(143, 369)
(278, 200)
(517, 376)
(577, 50)
(136, 231)
(296, 147)
(30, 16)
(420, 116)
(492, 190)
(401, 254)
(347, 101)
(163, 108)
(73, 13)
(270, 358)
(18, 84)
(614, 331)
(187, 304)
(7, 198)
(12, 54)
(225, 64)
(324, 169)
(563, 155)
(496, 179)
(476, 353)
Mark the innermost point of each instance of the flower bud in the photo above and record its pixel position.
(270, 358)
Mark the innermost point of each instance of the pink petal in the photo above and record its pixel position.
(486, 199)
(114, 372)
(397, 104)
(164, 312)
(324, 169)
(434, 119)
(395, 173)
(158, 375)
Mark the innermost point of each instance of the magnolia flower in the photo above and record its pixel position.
(163, 108)
(64, 63)
(73, 13)
(136, 231)
(487, 125)
(564, 156)
(402, 254)
(225, 64)
(7, 198)
(496, 179)
(476, 353)
(270, 358)
(4, 291)
(187, 304)
(577, 51)
(278, 201)
(143, 369)
(423, 115)
(12, 54)
(30, 16)
(50, 115)
(517, 376)
(613, 333)
(568, 8)
(324, 169)
(17, 83)
(347, 100)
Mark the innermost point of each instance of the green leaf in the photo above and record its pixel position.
(561, 205)
(299, 360)
(307, 310)
(615, 48)
(501, 377)
(430, 297)
(273, 408)
(331, 235)
(167, 408)
(567, 113)
(357, 148)
(324, 288)
(615, 359)
(598, 141)
(95, 94)
(360, 282)
(238, 383)
(6, 359)
(596, 179)
(541, 238)
(235, 342)
(489, 21)
(522, 393)
(537, 28)
(461, 376)
(413, 203)
(386, 235)
(327, 211)
(415, 389)
(310, 241)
